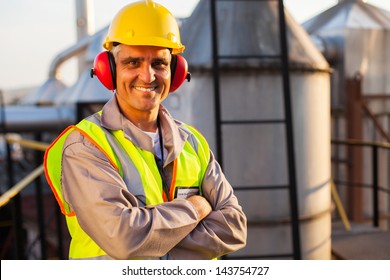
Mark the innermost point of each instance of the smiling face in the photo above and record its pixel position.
(143, 80)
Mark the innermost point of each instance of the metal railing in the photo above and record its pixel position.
(17, 234)
(377, 189)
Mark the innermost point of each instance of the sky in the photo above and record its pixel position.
(33, 32)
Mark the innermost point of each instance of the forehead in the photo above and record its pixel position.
(143, 51)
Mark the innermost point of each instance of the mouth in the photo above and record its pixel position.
(145, 89)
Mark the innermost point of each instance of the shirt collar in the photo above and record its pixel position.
(173, 136)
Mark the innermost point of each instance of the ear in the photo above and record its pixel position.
(179, 72)
(104, 69)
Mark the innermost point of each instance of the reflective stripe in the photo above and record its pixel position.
(191, 138)
(104, 257)
(131, 176)
(53, 155)
(107, 257)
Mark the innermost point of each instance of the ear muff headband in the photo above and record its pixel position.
(104, 69)
(111, 60)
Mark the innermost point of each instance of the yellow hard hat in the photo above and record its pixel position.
(145, 23)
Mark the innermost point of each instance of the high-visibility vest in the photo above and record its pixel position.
(131, 162)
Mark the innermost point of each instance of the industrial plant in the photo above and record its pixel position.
(298, 115)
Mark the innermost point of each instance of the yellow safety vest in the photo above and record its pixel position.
(131, 162)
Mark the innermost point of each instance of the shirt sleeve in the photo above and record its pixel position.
(109, 213)
(224, 230)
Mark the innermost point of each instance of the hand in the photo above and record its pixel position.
(201, 205)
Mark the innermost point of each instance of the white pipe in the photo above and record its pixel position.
(84, 18)
(38, 118)
(85, 27)
(72, 51)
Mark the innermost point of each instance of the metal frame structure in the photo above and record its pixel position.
(377, 189)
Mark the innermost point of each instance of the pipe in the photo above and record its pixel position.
(340, 207)
(330, 47)
(16, 189)
(36, 145)
(38, 118)
(84, 18)
(72, 51)
(84, 38)
(85, 26)
(81, 46)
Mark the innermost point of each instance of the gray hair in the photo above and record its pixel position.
(117, 47)
(115, 50)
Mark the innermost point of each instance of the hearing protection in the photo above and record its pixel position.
(104, 69)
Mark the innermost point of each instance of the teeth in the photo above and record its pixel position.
(145, 89)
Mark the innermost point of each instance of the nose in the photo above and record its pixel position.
(147, 73)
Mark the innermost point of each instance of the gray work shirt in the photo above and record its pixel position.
(112, 217)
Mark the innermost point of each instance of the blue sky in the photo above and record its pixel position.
(33, 32)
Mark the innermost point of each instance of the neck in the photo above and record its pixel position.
(146, 121)
(147, 126)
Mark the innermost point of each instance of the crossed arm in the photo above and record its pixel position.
(199, 227)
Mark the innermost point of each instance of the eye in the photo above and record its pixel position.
(160, 64)
(132, 62)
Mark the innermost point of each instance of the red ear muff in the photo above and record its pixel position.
(179, 72)
(104, 69)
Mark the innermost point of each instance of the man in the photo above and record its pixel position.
(133, 182)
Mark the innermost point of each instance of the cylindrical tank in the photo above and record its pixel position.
(254, 152)
(46, 94)
(354, 36)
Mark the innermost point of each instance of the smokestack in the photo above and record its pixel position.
(85, 26)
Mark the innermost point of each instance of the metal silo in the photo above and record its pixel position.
(46, 94)
(354, 36)
(254, 152)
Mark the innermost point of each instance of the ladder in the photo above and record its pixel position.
(287, 121)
